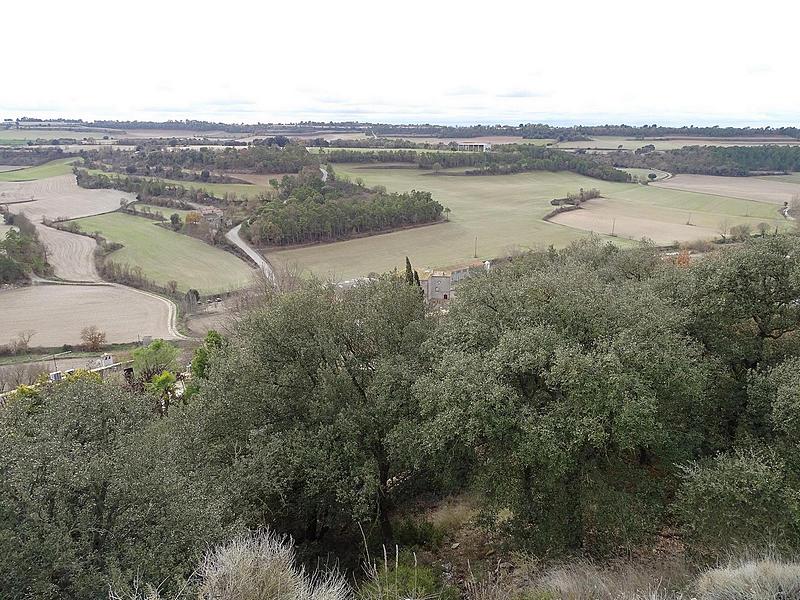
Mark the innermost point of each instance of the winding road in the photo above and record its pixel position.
(57, 311)
(233, 237)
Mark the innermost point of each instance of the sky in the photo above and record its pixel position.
(672, 63)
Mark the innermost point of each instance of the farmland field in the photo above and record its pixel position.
(61, 166)
(57, 197)
(165, 255)
(57, 313)
(608, 142)
(46, 134)
(140, 206)
(506, 211)
(775, 189)
(790, 178)
(643, 173)
(501, 211)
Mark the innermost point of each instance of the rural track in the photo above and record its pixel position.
(234, 237)
(72, 258)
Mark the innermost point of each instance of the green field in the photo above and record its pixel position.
(162, 209)
(62, 166)
(643, 173)
(46, 134)
(217, 189)
(502, 212)
(790, 178)
(165, 255)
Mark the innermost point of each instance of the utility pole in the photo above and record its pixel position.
(55, 364)
(613, 226)
(475, 253)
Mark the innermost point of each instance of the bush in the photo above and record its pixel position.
(742, 499)
(252, 566)
(262, 566)
(404, 580)
(751, 580)
(410, 533)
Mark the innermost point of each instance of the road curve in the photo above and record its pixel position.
(234, 237)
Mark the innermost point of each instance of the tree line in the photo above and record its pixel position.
(306, 209)
(21, 251)
(735, 161)
(201, 163)
(501, 160)
(590, 399)
(27, 157)
(153, 191)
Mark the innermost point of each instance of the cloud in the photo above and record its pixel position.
(464, 90)
(521, 93)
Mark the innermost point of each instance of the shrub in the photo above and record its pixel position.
(424, 534)
(404, 580)
(751, 580)
(742, 498)
(262, 566)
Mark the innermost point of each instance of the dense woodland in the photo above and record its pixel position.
(150, 190)
(714, 160)
(501, 160)
(21, 251)
(306, 209)
(155, 159)
(28, 157)
(590, 399)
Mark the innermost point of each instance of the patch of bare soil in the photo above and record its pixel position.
(58, 313)
(598, 216)
(749, 188)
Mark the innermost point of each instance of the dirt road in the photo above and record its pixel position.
(234, 237)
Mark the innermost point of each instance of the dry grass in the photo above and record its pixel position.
(263, 566)
(253, 566)
(764, 579)
(453, 513)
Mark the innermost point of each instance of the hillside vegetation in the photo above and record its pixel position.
(591, 400)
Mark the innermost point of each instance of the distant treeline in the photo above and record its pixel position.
(308, 210)
(714, 160)
(388, 143)
(261, 158)
(27, 157)
(146, 190)
(505, 159)
(519, 158)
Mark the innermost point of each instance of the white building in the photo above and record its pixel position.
(474, 146)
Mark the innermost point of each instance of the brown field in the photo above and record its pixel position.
(177, 133)
(760, 189)
(57, 313)
(603, 216)
(487, 139)
(56, 197)
(71, 255)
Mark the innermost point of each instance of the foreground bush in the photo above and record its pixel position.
(757, 579)
(262, 566)
(743, 498)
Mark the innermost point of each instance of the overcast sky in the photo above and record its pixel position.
(494, 61)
